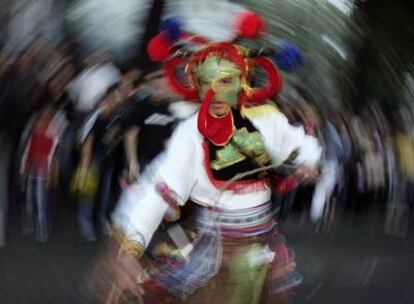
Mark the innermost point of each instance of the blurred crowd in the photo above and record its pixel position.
(83, 131)
(63, 132)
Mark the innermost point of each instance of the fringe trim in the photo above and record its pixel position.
(258, 111)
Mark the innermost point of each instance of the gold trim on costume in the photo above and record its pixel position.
(227, 157)
(132, 247)
(258, 111)
(242, 145)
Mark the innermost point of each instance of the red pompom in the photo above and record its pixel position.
(250, 25)
(158, 48)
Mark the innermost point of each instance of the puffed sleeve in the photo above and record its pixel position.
(170, 178)
(282, 138)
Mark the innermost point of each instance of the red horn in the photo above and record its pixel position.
(274, 81)
(170, 68)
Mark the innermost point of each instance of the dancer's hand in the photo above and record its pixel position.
(130, 275)
(116, 277)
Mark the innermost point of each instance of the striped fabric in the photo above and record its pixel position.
(183, 277)
(238, 223)
(221, 233)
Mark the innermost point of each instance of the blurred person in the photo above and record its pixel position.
(347, 145)
(370, 165)
(313, 125)
(58, 79)
(154, 112)
(21, 90)
(57, 83)
(217, 159)
(129, 82)
(36, 169)
(401, 209)
(393, 182)
(287, 195)
(99, 141)
(90, 85)
(23, 94)
(53, 95)
(98, 74)
(322, 205)
(19, 93)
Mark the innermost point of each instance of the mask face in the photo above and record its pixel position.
(220, 75)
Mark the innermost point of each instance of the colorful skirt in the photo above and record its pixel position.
(221, 256)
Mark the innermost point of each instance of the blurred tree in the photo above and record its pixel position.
(384, 60)
(355, 52)
(152, 24)
(324, 31)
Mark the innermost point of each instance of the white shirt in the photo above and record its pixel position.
(91, 85)
(181, 167)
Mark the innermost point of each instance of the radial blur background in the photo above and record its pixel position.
(352, 232)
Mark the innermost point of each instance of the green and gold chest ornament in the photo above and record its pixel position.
(218, 73)
(243, 145)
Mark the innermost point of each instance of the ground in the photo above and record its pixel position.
(353, 263)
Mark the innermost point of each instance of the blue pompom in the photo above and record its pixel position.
(172, 29)
(288, 57)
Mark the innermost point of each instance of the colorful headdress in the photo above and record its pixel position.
(177, 50)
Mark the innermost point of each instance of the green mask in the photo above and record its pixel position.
(220, 75)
